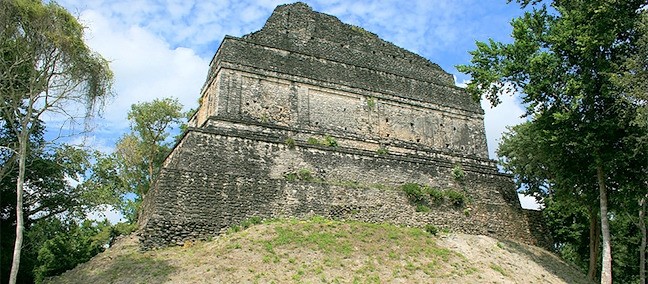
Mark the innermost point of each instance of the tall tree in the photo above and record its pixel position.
(151, 123)
(537, 161)
(562, 61)
(46, 68)
(634, 81)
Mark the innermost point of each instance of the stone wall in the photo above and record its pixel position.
(255, 95)
(222, 176)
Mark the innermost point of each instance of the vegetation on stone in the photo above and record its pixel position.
(422, 196)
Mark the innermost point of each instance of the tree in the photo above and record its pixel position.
(563, 63)
(634, 81)
(537, 163)
(46, 68)
(70, 244)
(150, 124)
(130, 171)
(53, 176)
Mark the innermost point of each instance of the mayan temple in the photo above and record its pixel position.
(311, 116)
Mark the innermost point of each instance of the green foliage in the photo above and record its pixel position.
(435, 194)
(70, 245)
(183, 126)
(327, 141)
(573, 65)
(305, 174)
(382, 151)
(53, 176)
(499, 269)
(123, 228)
(414, 192)
(433, 230)
(419, 195)
(330, 141)
(371, 102)
(422, 208)
(455, 197)
(150, 125)
(46, 69)
(151, 120)
(458, 173)
(633, 79)
(301, 174)
(290, 176)
(138, 156)
(290, 142)
(249, 222)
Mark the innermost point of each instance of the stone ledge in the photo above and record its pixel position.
(241, 52)
(417, 153)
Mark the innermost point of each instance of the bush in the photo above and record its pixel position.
(414, 192)
(371, 102)
(431, 229)
(382, 151)
(250, 221)
(330, 141)
(290, 142)
(435, 193)
(458, 173)
(256, 220)
(456, 198)
(305, 174)
(302, 174)
(290, 176)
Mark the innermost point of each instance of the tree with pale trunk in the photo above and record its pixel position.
(45, 69)
(563, 61)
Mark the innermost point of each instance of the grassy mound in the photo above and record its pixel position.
(324, 251)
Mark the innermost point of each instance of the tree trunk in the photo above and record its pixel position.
(150, 168)
(23, 140)
(606, 262)
(642, 248)
(594, 243)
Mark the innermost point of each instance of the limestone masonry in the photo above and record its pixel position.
(311, 116)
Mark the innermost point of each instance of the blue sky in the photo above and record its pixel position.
(163, 48)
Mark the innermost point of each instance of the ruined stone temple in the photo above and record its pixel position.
(311, 116)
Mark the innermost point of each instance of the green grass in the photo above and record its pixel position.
(297, 251)
(499, 269)
(337, 242)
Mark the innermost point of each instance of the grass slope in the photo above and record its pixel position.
(324, 251)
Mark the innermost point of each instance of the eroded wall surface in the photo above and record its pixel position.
(222, 176)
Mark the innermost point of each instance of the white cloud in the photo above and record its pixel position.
(496, 119)
(106, 212)
(145, 66)
(94, 142)
(529, 202)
